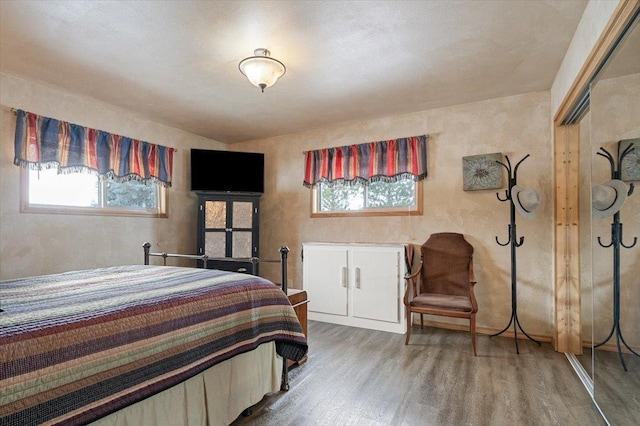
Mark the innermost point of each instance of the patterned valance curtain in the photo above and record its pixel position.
(389, 161)
(44, 143)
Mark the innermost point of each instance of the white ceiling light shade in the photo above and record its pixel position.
(262, 70)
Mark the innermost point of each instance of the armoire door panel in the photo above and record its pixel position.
(241, 245)
(215, 214)
(215, 244)
(242, 214)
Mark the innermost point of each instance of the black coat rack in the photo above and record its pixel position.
(515, 243)
(616, 242)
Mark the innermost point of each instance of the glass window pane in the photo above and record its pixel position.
(242, 214)
(74, 189)
(339, 197)
(241, 244)
(214, 244)
(132, 193)
(391, 194)
(85, 193)
(215, 214)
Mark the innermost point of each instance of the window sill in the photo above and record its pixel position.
(369, 213)
(88, 211)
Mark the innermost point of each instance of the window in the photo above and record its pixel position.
(82, 193)
(380, 178)
(376, 199)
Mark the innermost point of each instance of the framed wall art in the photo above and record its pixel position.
(482, 172)
(630, 165)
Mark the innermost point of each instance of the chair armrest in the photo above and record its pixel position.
(474, 302)
(472, 281)
(412, 284)
(472, 277)
(413, 274)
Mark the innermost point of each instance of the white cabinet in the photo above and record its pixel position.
(360, 285)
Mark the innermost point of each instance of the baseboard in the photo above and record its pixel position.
(481, 330)
(611, 346)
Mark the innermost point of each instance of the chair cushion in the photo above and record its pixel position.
(442, 301)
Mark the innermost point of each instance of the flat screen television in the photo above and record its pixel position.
(227, 171)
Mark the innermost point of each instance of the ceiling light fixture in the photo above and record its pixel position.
(261, 69)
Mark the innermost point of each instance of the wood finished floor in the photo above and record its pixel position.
(618, 391)
(364, 377)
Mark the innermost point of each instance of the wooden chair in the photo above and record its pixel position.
(443, 283)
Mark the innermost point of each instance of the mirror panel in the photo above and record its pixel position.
(615, 116)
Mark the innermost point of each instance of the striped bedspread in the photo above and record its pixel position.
(79, 345)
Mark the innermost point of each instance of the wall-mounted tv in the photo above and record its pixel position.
(227, 171)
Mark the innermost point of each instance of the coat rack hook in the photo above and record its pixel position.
(508, 162)
(635, 240)
(508, 241)
(515, 169)
(603, 245)
(506, 195)
(503, 244)
(518, 244)
(628, 150)
(506, 166)
(609, 157)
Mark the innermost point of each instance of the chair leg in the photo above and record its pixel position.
(472, 326)
(409, 319)
(421, 321)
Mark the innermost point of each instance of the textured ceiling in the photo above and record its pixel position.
(176, 62)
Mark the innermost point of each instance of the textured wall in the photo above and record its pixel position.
(34, 244)
(615, 108)
(515, 126)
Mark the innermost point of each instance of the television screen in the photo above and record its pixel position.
(227, 171)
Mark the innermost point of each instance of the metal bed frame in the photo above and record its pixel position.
(284, 251)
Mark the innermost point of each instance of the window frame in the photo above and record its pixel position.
(415, 210)
(27, 207)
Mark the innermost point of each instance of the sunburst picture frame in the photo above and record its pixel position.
(482, 172)
(630, 164)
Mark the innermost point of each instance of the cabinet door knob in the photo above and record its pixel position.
(357, 277)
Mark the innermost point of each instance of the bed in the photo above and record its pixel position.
(143, 344)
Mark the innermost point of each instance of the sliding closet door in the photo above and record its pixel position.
(615, 124)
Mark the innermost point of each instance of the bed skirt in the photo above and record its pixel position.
(215, 397)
